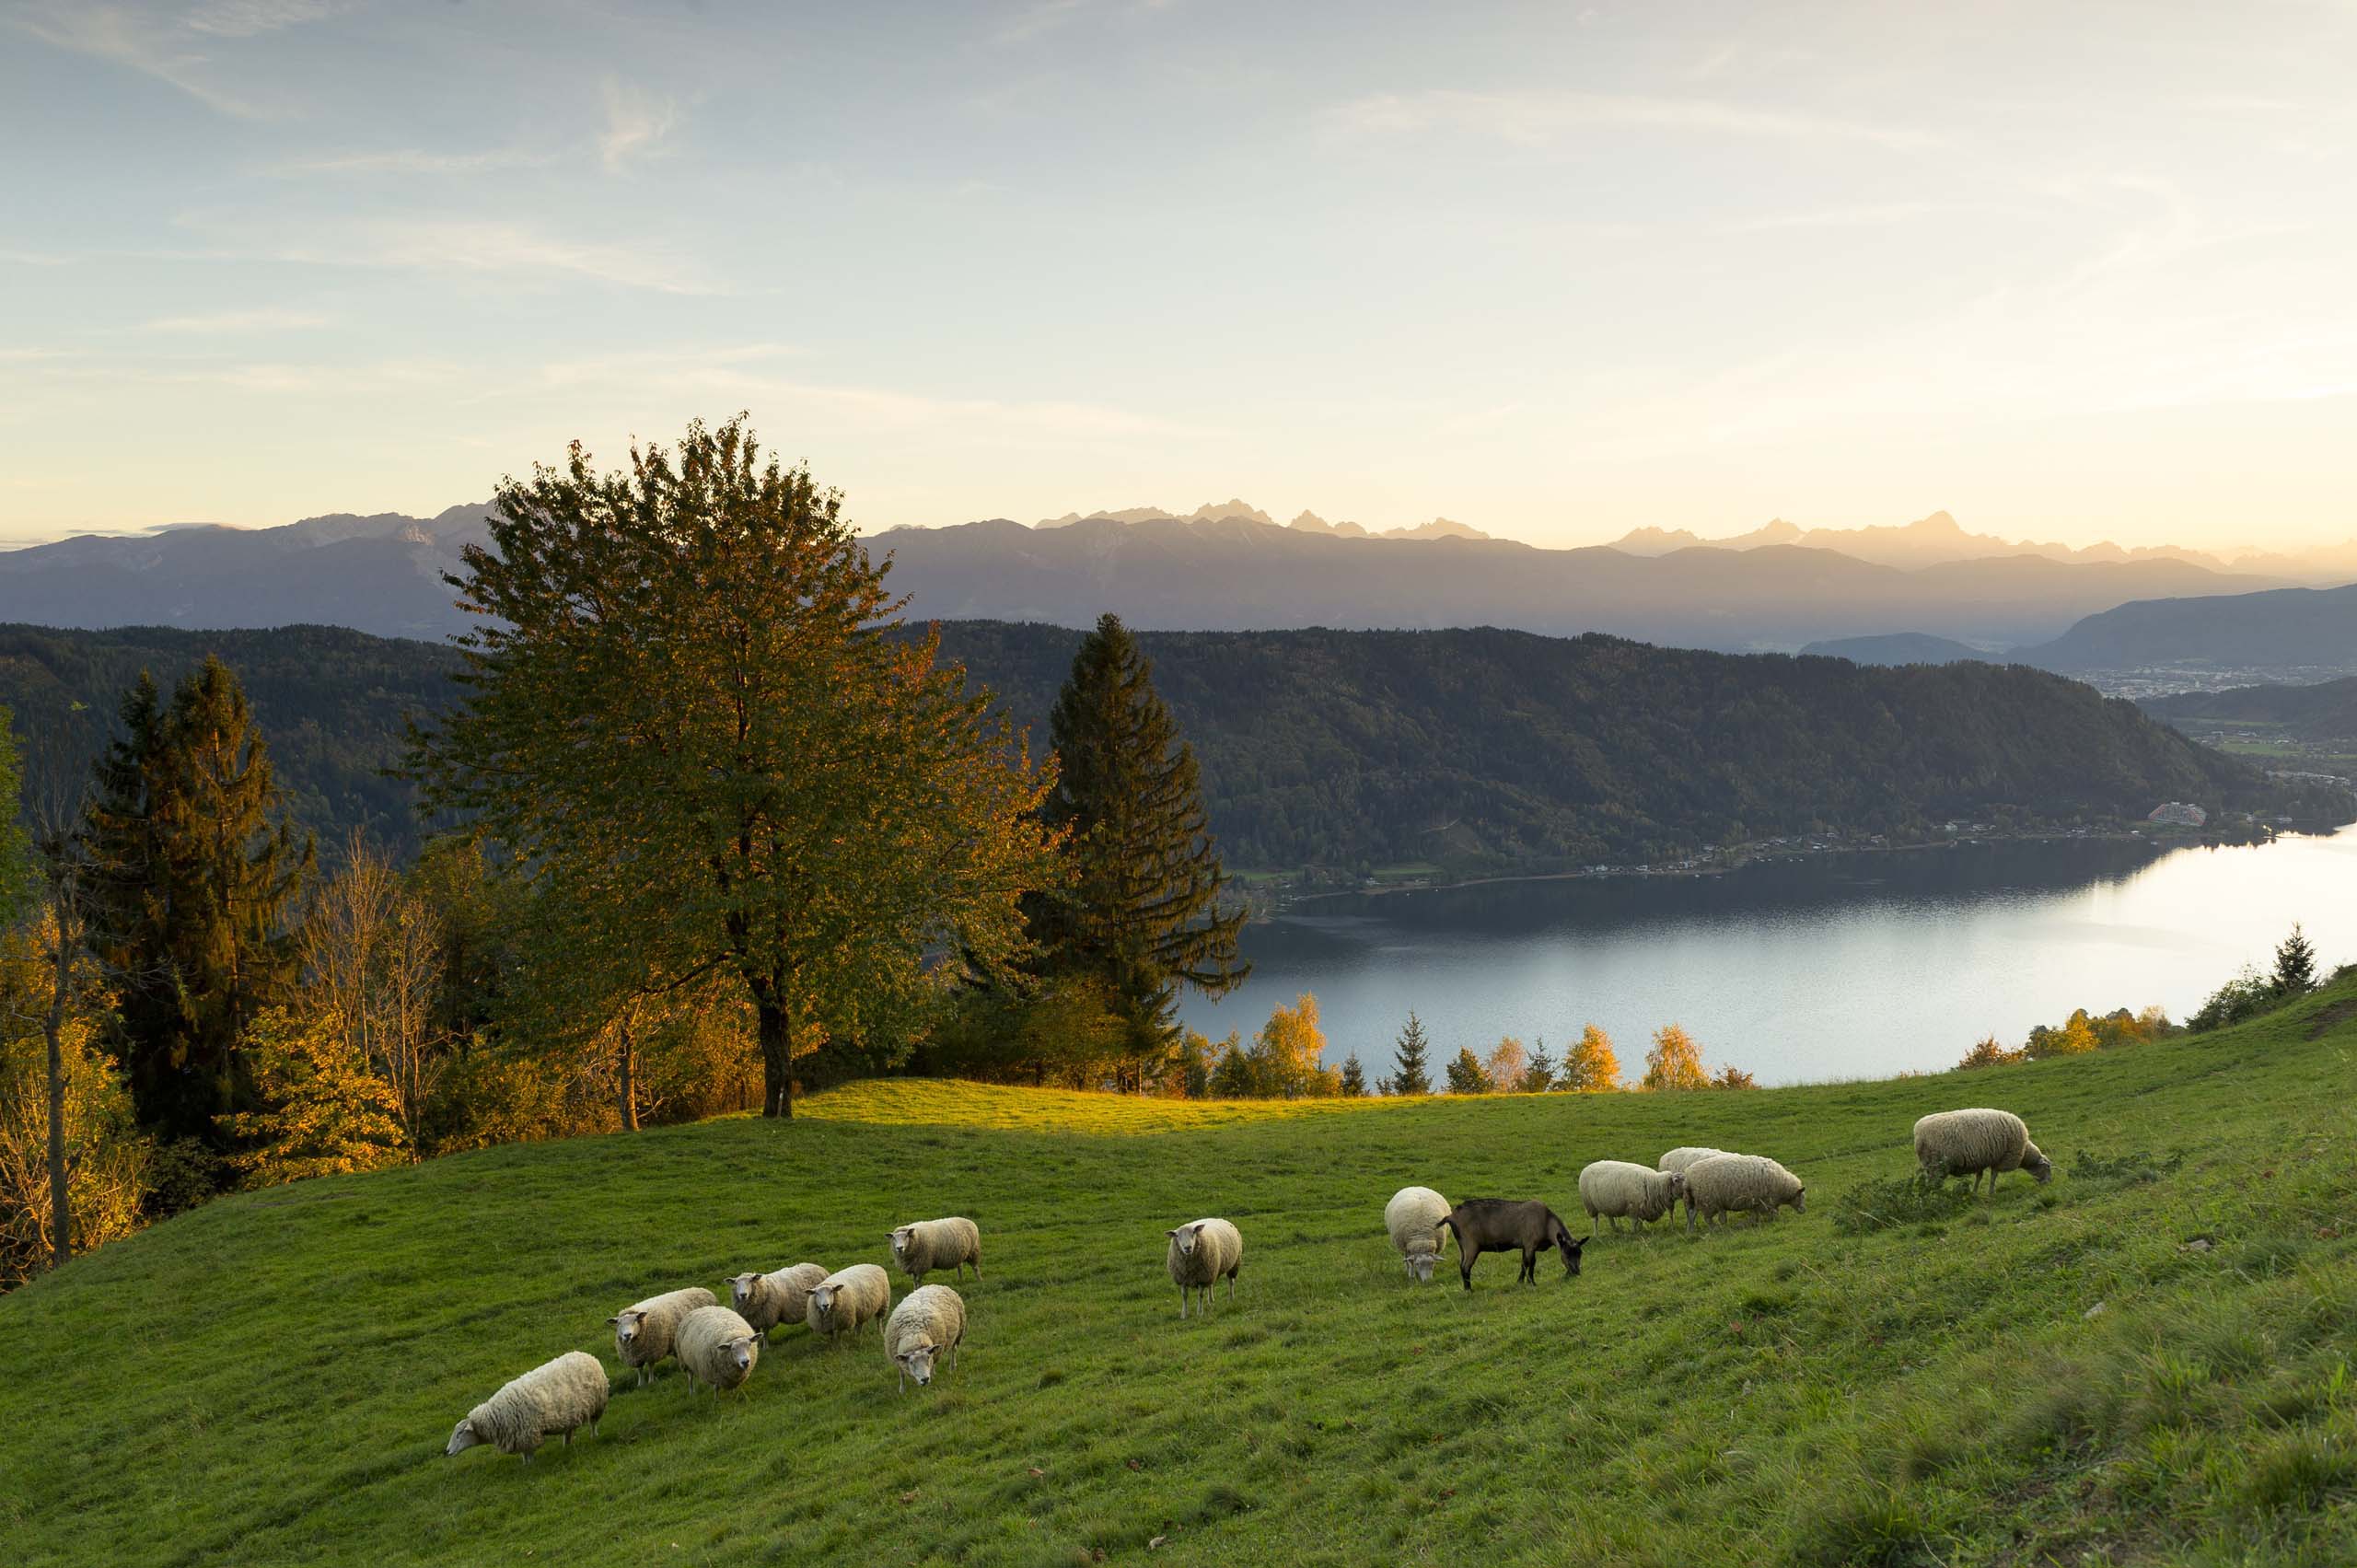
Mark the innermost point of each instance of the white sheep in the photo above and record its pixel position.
(846, 1298)
(1969, 1143)
(719, 1348)
(779, 1296)
(560, 1396)
(1731, 1183)
(929, 1322)
(1618, 1189)
(1413, 1218)
(927, 1245)
(1683, 1158)
(643, 1332)
(1201, 1253)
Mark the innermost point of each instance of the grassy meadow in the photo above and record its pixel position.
(2146, 1362)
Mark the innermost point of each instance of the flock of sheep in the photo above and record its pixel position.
(718, 1346)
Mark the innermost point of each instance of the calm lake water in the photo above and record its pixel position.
(1836, 966)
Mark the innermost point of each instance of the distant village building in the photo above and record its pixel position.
(2180, 813)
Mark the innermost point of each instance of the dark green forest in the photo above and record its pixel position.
(2325, 712)
(1467, 747)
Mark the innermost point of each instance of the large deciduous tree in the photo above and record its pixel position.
(1140, 910)
(193, 870)
(690, 698)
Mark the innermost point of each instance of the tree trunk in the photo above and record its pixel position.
(61, 1206)
(776, 1032)
(625, 1071)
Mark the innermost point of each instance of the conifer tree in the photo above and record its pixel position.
(1354, 1077)
(1409, 1075)
(1141, 906)
(2295, 965)
(1466, 1076)
(1539, 1078)
(193, 870)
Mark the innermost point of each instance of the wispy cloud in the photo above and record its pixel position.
(267, 318)
(448, 245)
(244, 18)
(637, 123)
(1041, 16)
(31, 258)
(1535, 119)
(171, 48)
(414, 160)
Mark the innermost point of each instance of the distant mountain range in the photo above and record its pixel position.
(1899, 647)
(2291, 634)
(1226, 567)
(1939, 538)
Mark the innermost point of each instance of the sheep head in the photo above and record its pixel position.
(917, 1361)
(462, 1437)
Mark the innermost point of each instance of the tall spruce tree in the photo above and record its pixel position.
(194, 869)
(1353, 1083)
(1410, 1075)
(2295, 965)
(1141, 907)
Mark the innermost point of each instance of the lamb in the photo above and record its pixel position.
(782, 1295)
(1969, 1143)
(642, 1333)
(1201, 1253)
(1618, 1189)
(1726, 1183)
(717, 1347)
(559, 1396)
(930, 1321)
(1413, 1218)
(1496, 1225)
(846, 1298)
(925, 1246)
(1683, 1159)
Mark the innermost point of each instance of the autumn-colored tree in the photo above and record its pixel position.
(323, 1112)
(1591, 1065)
(1989, 1053)
(1731, 1076)
(1290, 1045)
(1408, 1074)
(1466, 1076)
(1506, 1065)
(2075, 1038)
(1675, 1062)
(372, 954)
(690, 693)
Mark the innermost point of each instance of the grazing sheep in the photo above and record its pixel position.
(1499, 1225)
(1969, 1143)
(642, 1333)
(562, 1395)
(1684, 1158)
(1729, 1183)
(779, 1296)
(846, 1298)
(717, 1347)
(1201, 1253)
(930, 1321)
(925, 1246)
(1618, 1189)
(1413, 1218)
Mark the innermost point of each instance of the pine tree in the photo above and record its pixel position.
(1141, 906)
(194, 871)
(1354, 1077)
(1591, 1065)
(1408, 1073)
(1675, 1062)
(1464, 1075)
(1538, 1078)
(2295, 965)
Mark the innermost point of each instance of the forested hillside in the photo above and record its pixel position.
(1471, 747)
(2325, 712)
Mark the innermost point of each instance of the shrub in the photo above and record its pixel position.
(2136, 1166)
(1896, 1201)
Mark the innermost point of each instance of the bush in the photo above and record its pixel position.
(2137, 1166)
(2245, 996)
(1897, 1202)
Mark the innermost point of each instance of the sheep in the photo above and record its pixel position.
(846, 1298)
(642, 1333)
(1969, 1143)
(1201, 1253)
(924, 1246)
(1497, 1224)
(717, 1347)
(930, 1321)
(559, 1396)
(1618, 1189)
(778, 1297)
(1683, 1158)
(1725, 1183)
(1413, 1218)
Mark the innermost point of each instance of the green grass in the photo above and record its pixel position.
(2147, 1362)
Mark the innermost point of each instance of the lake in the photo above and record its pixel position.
(1834, 966)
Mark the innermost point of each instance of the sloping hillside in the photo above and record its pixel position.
(2311, 631)
(2145, 1362)
(2324, 713)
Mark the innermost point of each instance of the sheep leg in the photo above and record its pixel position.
(1231, 1285)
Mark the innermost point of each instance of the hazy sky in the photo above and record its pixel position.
(2070, 271)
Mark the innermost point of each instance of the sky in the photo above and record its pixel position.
(2071, 272)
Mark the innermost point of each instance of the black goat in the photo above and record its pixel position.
(1501, 1224)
